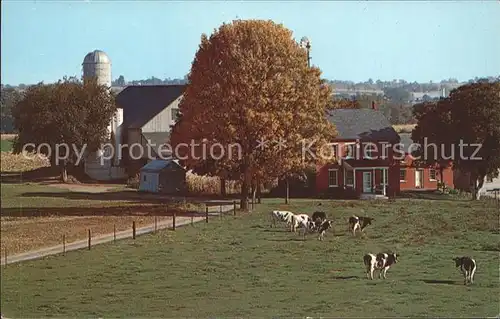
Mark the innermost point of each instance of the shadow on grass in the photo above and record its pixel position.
(439, 282)
(345, 277)
(430, 195)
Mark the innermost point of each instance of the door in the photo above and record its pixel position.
(367, 182)
(419, 178)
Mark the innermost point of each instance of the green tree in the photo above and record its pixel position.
(65, 113)
(468, 118)
(8, 98)
(250, 82)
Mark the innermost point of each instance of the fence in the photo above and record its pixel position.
(493, 195)
(192, 217)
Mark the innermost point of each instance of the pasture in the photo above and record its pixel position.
(239, 266)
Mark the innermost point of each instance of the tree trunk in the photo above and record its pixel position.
(478, 184)
(259, 191)
(223, 187)
(287, 195)
(441, 173)
(245, 187)
(64, 172)
(254, 193)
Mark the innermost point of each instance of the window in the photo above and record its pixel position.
(349, 150)
(175, 114)
(335, 149)
(349, 178)
(432, 174)
(144, 178)
(369, 150)
(333, 180)
(386, 176)
(402, 175)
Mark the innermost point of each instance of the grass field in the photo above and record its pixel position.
(36, 216)
(241, 267)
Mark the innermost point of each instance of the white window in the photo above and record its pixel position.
(349, 150)
(386, 176)
(349, 178)
(432, 174)
(369, 150)
(333, 178)
(402, 175)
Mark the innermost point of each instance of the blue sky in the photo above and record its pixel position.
(411, 40)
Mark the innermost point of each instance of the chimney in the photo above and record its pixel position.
(373, 105)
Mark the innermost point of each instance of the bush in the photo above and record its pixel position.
(339, 193)
(134, 182)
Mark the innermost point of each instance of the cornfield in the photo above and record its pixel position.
(208, 185)
(22, 162)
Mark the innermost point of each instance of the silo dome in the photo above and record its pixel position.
(97, 64)
(96, 56)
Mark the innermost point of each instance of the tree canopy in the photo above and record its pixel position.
(250, 84)
(68, 113)
(466, 125)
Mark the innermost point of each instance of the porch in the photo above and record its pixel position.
(370, 182)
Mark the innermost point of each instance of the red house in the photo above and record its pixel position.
(365, 151)
(413, 177)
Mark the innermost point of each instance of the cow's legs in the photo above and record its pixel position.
(385, 270)
(472, 275)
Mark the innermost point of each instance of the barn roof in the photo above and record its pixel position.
(159, 165)
(363, 124)
(141, 103)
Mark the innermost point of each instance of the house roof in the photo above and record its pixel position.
(363, 124)
(141, 103)
(158, 165)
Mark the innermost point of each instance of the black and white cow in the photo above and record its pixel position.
(318, 217)
(359, 222)
(281, 216)
(467, 267)
(380, 261)
(323, 227)
(302, 221)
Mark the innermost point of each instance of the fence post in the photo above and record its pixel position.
(5, 257)
(156, 223)
(133, 229)
(220, 211)
(114, 233)
(206, 213)
(89, 239)
(192, 219)
(64, 244)
(173, 220)
(234, 208)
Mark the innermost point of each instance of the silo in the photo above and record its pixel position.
(97, 64)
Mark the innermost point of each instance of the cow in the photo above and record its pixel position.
(282, 216)
(359, 222)
(323, 227)
(381, 261)
(467, 267)
(300, 221)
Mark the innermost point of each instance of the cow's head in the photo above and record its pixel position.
(394, 257)
(458, 261)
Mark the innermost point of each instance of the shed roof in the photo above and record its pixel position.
(141, 103)
(363, 124)
(158, 165)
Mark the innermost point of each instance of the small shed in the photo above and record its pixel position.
(163, 176)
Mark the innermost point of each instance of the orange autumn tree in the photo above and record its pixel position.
(249, 86)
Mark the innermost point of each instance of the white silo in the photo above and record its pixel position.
(97, 65)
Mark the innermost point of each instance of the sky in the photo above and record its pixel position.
(411, 40)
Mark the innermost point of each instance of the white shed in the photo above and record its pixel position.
(162, 176)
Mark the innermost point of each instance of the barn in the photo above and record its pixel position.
(163, 176)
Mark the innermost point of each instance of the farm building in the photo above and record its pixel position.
(413, 177)
(369, 173)
(148, 114)
(162, 176)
